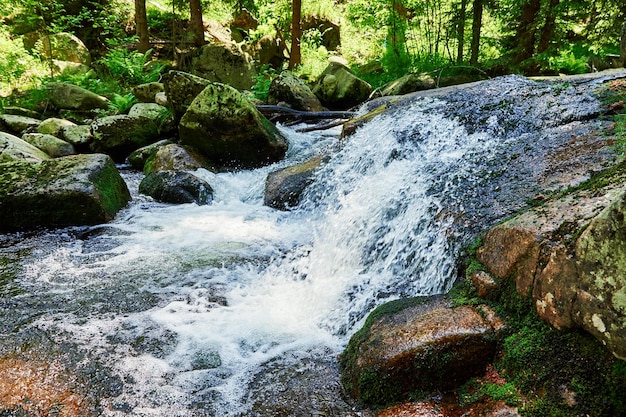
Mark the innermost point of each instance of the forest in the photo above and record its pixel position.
(380, 39)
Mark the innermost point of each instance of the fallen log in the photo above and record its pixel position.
(288, 113)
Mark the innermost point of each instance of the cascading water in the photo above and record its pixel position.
(190, 310)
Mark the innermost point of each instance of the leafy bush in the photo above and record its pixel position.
(15, 62)
(122, 103)
(129, 67)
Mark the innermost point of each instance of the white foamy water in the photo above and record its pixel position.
(233, 285)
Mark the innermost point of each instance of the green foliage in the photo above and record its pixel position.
(122, 103)
(16, 64)
(619, 133)
(568, 63)
(475, 390)
(129, 67)
(263, 80)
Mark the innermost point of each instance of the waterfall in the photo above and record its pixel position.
(187, 306)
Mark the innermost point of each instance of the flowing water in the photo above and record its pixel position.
(237, 309)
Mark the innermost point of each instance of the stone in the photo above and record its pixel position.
(176, 187)
(78, 135)
(408, 84)
(484, 283)
(18, 124)
(267, 50)
(329, 30)
(54, 126)
(69, 191)
(146, 93)
(181, 89)
(224, 63)
(339, 89)
(290, 89)
(20, 111)
(415, 344)
(284, 188)
(69, 68)
(72, 97)
(137, 159)
(64, 47)
(223, 125)
(173, 157)
(51, 145)
(13, 148)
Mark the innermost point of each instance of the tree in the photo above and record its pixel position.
(477, 21)
(195, 22)
(526, 31)
(141, 25)
(461, 32)
(295, 58)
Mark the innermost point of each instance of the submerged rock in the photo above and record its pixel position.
(222, 124)
(283, 188)
(414, 344)
(176, 187)
(67, 191)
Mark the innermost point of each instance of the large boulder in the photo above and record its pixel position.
(51, 145)
(290, 89)
(63, 47)
(78, 135)
(224, 63)
(339, 89)
(13, 148)
(72, 97)
(54, 126)
(267, 49)
(173, 157)
(284, 188)
(176, 187)
(68, 191)
(181, 89)
(416, 344)
(146, 93)
(18, 124)
(225, 126)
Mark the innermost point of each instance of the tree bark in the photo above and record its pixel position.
(195, 24)
(526, 30)
(461, 32)
(477, 21)
(623, 45)
(295, 58)
(141, 25)
(548, 27)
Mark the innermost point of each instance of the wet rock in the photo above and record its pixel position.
(18, 124)
(173, 157)
(137, 159)
(176, 187)
(290, 89)
(222, 124)
(146, 93)
(181, 88)
(339, 89)
(72, 190)
(484, 283)
(51, 145)
(13, 148)
(413, 344)
(71, 97)
(283, 188)
(54, 126)
(224, 63)
(408, 84)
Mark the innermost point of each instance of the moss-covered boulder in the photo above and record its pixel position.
(222, 124)
(339, 89)
(79, 136)
(67, 191)
(416, 344)
(64, 47)
(72, 97)
(224, 63)
(146, 93)
(181, 89)
(51, 145)
(18, 124)
(173, 157)
(137, 159)
(290, 89)
(13, 148)
(176, 187)
(54, 126)
(284, 188)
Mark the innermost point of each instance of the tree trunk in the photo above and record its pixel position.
(295, 58)
(623, 45)
(141, 25)
(548, 27)
(525, 37)
(195, 24)
(461, 32)
(477, 21)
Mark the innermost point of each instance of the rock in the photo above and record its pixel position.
(78, 135)
(288, 88)
(64, 47)
(283, 188)
(20, 111)
(222, 124)
(484, 283)
(242, 24)
(69, 68)
(18, 124)
(408, 84)
(339, 89)
(13, 148)
(181, 88)
(330, 31)
(137, 159)
(224, 63)
(176, 187)
(414, 344)
(54, 126)
(161, 98)
(172, 157)
(120, 135)
(267, 50)
(51, 145)
(72, 97)
(67, 191)
(146, 93)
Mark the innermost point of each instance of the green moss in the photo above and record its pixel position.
(475, 390)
